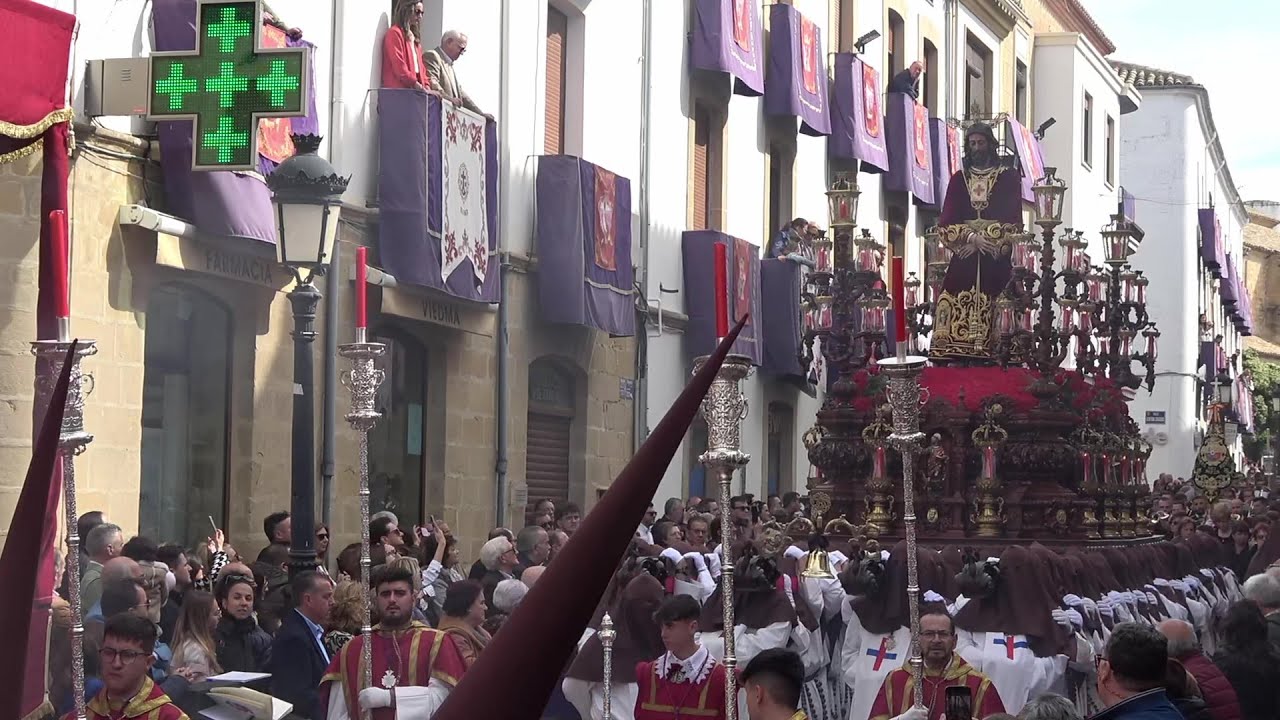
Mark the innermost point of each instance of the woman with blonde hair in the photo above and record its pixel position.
(193, 644)
(345, 617)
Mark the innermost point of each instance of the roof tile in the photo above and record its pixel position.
(1145, 76)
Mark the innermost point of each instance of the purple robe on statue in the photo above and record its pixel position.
(988, 202)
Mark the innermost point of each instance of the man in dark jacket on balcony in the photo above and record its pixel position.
(1131, 675)
(1219, 696)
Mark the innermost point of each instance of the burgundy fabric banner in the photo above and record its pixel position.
(910, 161)
(945, 163)
(726, 38)
(857, 123)
(796, 83)
(1030, 158)
(743, 287)
(583, 241)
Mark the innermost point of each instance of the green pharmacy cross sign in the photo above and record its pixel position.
(227, 84)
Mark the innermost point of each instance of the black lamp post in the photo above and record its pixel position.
(308, 200)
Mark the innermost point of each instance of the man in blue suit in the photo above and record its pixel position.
(298, 655)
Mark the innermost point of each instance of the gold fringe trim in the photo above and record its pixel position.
(34, 147)
(23, 132)
(44, 711)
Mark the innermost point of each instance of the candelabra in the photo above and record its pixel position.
(988, 506)
(903, 372)
(724, 408)
(363, 380)
(72, 440)
(607, 636)
(879, 498)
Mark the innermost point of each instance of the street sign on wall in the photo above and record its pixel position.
(227, 84)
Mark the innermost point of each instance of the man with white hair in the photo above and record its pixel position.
(508, 594)
(500, 560)
(1263, 590)
(531, 575)
(104, 542)
(1049, 707)
(439, 63)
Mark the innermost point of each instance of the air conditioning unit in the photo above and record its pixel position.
(117, 86)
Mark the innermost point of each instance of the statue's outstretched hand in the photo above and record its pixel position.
(986, 246)
(965, 251)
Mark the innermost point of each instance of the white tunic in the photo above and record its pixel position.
(867, 658)
(1013, 668)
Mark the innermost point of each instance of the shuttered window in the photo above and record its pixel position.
(843, 25)
(548, 448)
(557, 36)
(701, 151)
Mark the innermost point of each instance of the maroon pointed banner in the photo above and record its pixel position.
(20, 563)
(525, 659)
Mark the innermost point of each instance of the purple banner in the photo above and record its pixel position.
(308, 124)
(857, 120)
(910, 156)
(726, 38)
(410, 202)
(1212, 253)
(782, 326)
(1030, 157)
(796, 83)
(1128, 206)
(217, 202)
(942, 158)
(743, 287)
(1229, 288)
(583, 243)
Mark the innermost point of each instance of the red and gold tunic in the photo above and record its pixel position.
(897, 694)
(414, 656)
(661, 698)
(149, 704)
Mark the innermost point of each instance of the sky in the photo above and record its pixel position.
(1229, 47)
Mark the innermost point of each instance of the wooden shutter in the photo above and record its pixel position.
(547, 451)
(701, 143)
(557, 34)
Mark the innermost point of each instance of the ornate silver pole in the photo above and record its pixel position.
(363, 380)
(607, 636)
(50, 356)
(724, 409)
(903, 372)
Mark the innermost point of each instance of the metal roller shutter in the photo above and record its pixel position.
(557, 32)
(547, 453)
(701, 144)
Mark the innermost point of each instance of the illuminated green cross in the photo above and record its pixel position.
(227, 84)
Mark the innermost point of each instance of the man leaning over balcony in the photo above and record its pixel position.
(402, 51)
(439, 64)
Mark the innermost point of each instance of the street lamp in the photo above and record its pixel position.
(307, 193)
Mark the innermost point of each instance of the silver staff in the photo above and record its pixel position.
(363, 380)
(724, 409)
(50, 356)
(904, 400)
(607, 636)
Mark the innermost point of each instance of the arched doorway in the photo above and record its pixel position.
(185, 415)
(549, 442)
(397, 466)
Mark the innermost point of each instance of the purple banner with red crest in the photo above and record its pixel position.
(857, 122)
(796, 83)
(743, 288)
(910, 153)
(946, 157)
(1030, 157)
(726, 38)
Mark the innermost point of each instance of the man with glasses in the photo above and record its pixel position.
(126, 656)
(385, 531)
(645, 531)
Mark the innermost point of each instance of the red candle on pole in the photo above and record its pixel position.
(61, 259)
(362, 271)
(722, 290)
(899, 302)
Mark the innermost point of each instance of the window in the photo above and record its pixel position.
(397, 466)
(1110, 150)
(548, 448)
(557, 36)
(782, 160)
(1020, 92)
(842, 21)
(1086, 127)
(707, 168)
(977, 86)
(185, 416)
(894, 44)
(932, 71)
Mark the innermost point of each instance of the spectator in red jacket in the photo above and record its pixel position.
(402, 65)
(1219, 696)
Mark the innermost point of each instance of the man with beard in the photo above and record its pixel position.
(414, 666)
(981, 213)
(943, 668)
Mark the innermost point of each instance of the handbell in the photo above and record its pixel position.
(817, 565)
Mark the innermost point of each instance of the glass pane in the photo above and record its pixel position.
(396, 455)
(185, 403)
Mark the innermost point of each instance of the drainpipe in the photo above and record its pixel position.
(504, 272)
(332, 286)
(948, 64)
(640, 421)
(337, 104)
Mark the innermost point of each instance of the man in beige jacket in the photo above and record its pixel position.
(439, 63)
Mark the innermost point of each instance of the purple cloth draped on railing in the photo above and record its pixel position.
(698, 249)
(218, 202)
(1128, 206)
(726, 38)
(583, 245)
(1246, 314)
(1030, 157)
(910, 161)
(1229, 288)
(782, 325)
(857, 120)
(410, 201)
(308, 124)
(1208, 361)
(796, 82)
(942, 167)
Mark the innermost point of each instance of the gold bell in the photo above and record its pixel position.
(816, 565)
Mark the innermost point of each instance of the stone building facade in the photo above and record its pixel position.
(1262, 274)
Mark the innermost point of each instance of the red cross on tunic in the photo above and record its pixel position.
(1010, 643)
(882, 654)
(1009, 646)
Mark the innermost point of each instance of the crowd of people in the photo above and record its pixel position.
(1155, 631)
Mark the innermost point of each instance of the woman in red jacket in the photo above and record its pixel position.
(402, 65)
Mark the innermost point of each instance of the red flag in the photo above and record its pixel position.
(742, 257)
(922, 136)
(742, 24)
(606, 219)
(20, 565)
(953, 148)
(809, 55)
(871, 99)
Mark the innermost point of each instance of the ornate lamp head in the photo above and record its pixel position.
(1049, 191)
(1115, 241)
(842, 202)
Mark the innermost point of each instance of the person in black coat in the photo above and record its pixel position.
(1250, 662)
(299, 658)
(242, 645)
(908, 81)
